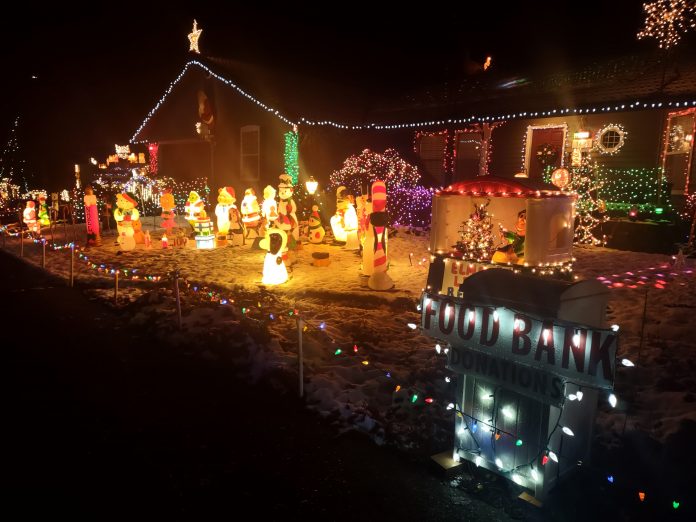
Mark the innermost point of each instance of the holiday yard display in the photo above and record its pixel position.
(251, 213)
(168, 215)
(92, 217)
(287, 209)
(350, 226)
(203, 228)
(269, 207)
(44, 219)
(338, 219)
(375, 262)
(409, 203)
(476, 235)
(226, 200)
(316, 231)
(194, 206)
(518, 357)
(540, 215)
(127, 219)
(29, 217)
(364, 209)
(274, 270)
(589, 208)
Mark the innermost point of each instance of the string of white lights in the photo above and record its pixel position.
(637, 105)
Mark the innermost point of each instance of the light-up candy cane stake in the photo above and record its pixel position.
(377, 239)
(92, 217)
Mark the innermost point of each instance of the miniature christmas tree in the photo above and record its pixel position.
(476, 235)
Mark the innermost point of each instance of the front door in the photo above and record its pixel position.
(545, 147)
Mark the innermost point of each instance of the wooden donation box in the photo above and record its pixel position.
(525, 349)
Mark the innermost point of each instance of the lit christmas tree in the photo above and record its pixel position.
(584, 182)
(476, 235)
(12, 165)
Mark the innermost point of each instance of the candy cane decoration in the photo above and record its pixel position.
(379, 280)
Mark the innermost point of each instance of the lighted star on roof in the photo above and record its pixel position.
(667, 20)
(193, 37)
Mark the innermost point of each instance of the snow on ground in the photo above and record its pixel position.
(362, 364)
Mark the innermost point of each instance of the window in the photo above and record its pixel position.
(250, 162)
(468, 155)
(431, 148)
(677, 155)
(610, 139)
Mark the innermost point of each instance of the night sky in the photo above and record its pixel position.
(100, 71)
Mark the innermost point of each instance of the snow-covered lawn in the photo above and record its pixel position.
(363, 364)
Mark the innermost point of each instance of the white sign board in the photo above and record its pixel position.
(570, 351)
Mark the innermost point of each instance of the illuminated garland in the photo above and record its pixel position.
(291, 156)
(667, 20)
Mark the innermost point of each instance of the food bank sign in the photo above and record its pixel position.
(566, 350)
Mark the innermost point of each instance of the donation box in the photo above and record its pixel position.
(532, 355)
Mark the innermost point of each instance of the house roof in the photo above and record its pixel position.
(313, 101)
(618, 81)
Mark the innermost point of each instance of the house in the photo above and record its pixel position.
(637, 117)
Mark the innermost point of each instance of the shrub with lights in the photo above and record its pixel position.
(409, 203)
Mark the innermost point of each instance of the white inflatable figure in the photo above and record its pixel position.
(193, 207)
(376, 241)
(274, 270)
(287, 209)
(316, 229)
(269, 207)
(29, 217)
(226, 199)
(337, 222)
(251, 213)
(350, 225)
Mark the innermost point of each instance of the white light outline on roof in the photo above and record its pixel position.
(375, 126)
